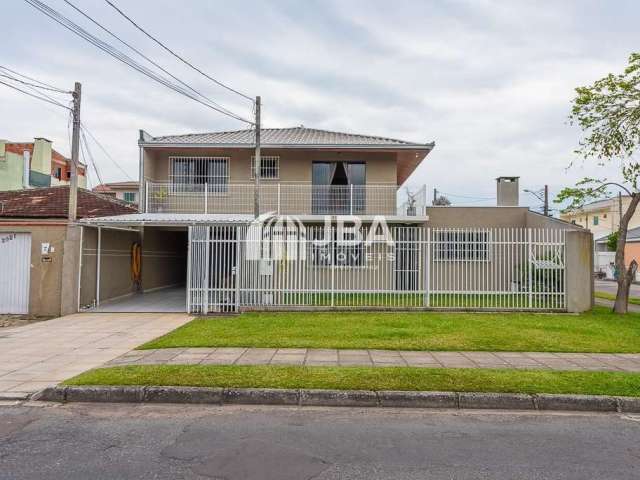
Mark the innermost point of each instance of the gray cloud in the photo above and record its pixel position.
(489, 81)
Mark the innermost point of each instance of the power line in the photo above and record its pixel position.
(90, 155)
(33, 79)
(117, 54)
(34, 96)
(466, 196)
(217, 82)
(145, 56)
(85, 129)
(31, 84)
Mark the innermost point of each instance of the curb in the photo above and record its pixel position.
(340, 398)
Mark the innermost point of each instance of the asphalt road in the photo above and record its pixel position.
(612, 287)
(171, 442)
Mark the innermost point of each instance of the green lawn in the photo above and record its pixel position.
(612, 297)
(367, 378)
(596, 331)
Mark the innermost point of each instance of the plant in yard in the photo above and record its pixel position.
(612, 241)
(608, 112)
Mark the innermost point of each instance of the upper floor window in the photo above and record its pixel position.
(190, 174)
(269, 167)
(129, 196)
(57, 173)
(596, 220)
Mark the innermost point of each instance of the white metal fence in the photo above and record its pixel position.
(282, 198)
(233, 268)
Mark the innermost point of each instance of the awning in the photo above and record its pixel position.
(177, 219)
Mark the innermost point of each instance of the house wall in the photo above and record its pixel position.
(11, 168)
(164, 258)
(46, 270)
(295, 165)
(115, 264)
(458, 217)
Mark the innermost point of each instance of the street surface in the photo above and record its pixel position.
(102, 441)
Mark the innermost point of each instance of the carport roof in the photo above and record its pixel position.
(168, 219)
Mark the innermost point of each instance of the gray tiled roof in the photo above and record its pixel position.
(285, 137)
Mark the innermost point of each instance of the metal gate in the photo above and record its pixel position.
(212, 269)
(15, 263)
(310, 267)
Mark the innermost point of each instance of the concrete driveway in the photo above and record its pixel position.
(45, 353)
(612, 287)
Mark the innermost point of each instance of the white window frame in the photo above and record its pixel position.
(197, 187)
(275, 169)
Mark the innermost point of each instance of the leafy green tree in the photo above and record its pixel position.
(612, 241)
(608, 112)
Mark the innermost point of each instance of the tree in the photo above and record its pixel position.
(442, 201)
(608, 112)
(612, 241)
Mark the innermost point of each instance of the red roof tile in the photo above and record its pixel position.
(53, 202)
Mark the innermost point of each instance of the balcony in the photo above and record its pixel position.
(281, 198)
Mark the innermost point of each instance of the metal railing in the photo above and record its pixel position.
(281, 198)
(287, 267)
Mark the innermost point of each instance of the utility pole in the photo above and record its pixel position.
(75, 147)
(546, 200)
(435, 196)
(256, 188)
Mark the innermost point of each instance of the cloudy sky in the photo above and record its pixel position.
(489, 81)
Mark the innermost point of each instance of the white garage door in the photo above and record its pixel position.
(15, 263)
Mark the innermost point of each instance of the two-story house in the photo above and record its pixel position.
(329, 233)
(35, 164)
(127, 191)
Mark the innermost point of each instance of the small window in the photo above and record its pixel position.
(596, 220)
(269, 167)
(57, 173)
(462, 245)
(129, 197)
(68, 175)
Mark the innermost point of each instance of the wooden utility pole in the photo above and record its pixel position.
(75, 148)
(546, 200)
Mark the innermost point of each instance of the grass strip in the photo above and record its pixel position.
(367, 378)
(612, 297)
(596, 331)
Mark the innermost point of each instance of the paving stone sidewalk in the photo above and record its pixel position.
(381, 358)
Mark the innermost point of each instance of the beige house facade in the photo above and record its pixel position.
(329, 232)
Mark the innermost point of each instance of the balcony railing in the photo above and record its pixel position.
(281, 198)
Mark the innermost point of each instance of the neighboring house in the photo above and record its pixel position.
(199, 232)
(605, 259)
(127, 191)
(35, 164)
(33, 233)
(601, 217)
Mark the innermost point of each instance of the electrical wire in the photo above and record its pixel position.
(34, 96)
(465, 196)
(83, 142)
(155, 64)
(84, 128)
(33, 79)
(217, 82)
(117, 54)
(31, 84)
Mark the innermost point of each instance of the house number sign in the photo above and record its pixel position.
(8, 238)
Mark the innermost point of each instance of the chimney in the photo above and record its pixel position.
(26, 167)
(507, 191)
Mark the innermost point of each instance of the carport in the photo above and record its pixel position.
(109, 279)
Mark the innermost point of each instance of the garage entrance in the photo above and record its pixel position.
(15, 263)
(110, 281)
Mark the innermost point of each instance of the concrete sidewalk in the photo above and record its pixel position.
(382, 358)
(45, 353)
